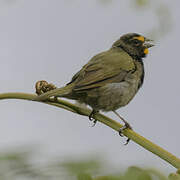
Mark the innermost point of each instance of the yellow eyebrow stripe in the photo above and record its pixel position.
(140, 38)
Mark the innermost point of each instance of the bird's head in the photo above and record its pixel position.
(134, 44)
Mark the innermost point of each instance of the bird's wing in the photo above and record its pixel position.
(107, 67)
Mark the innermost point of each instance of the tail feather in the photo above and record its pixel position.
(59, 92)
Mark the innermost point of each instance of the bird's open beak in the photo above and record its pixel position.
(147, 44)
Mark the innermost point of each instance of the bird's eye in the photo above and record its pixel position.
(135, 41)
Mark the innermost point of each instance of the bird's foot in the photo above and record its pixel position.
(126, 126)
(91, 117)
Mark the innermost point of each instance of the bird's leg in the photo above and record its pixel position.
(126, 126)
(91, 117)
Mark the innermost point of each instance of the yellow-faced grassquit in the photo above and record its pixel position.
(110, 79)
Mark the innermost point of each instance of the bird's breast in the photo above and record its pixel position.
(115, 95)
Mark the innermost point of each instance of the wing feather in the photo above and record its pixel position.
(106, 67)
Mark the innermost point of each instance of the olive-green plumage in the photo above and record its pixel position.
(110, 79)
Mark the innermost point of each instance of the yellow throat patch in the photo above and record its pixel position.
(146, 51)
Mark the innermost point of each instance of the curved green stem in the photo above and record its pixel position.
(163, 154)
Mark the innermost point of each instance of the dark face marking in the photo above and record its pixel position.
(133, 44)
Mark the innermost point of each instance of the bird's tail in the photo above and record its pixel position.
(59, 92)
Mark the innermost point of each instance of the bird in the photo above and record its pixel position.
(111, 79)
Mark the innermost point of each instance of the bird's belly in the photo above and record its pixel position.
(115, 95)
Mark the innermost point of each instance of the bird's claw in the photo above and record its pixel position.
(93, 120)
(127, 141)
(94, 123)
(126, 126)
